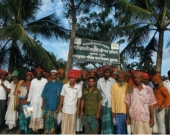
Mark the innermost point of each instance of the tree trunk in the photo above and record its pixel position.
(160, 51)
(71, 46)
(12, 58)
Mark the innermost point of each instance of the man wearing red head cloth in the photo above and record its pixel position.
(145, 77)
(140, 111)
(5, 88)
(34, 97)
(70, 104)
(163, 100)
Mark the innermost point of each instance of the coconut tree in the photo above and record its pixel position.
(144, 22)
(19, 24)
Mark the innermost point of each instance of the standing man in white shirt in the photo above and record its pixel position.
(167, 115)
(70, 104)
(34, 97)
(5, 87)
(104, 84)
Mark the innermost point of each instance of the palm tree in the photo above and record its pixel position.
(142, 21)
(18, 24)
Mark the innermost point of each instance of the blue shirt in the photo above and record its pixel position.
(51, 93)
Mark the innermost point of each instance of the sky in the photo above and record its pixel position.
(60, 47)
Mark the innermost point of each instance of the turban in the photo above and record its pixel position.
(53, 71)
(38, 69)
(61, 71)
(137, 73)
(72, 75)
(121, 73)
(106, 67)
(3, 72)
(145, 75)
(15, 73)
(115, 72)
(128, 74)
(156, 78)
(84, 72)
(30, 73)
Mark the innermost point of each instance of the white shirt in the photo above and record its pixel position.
(105, 88)
(167, 85)
(70, 98)
(80, 84)
(36, 89)
(3, 91)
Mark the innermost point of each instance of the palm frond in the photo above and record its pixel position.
(17, 33)
(48, 27)
(4, 56)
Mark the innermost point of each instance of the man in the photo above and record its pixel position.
(61, 75)
(11, 116)
(145, 77)
(167, 115)
(140, 111)
(34, 97)
(5, 87)
(79, 82)
(163, 100)
(84, 79)
(50, 100)
(91, 102)
(104, 84)
(70, 104)
(118, 94)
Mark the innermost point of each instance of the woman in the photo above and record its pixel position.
(20, 101)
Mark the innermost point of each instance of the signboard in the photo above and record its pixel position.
(96, 51)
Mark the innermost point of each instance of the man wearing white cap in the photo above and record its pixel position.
(50, 100)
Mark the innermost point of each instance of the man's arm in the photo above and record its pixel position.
(5, 88)
(127, 114)
(78, 106)
(61, 103)
(82, 107)
(43, 103)
(99, 108)
(151, 111)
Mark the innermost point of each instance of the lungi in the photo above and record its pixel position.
(140, 127)
(36, 120)
(68, 124)
(50, 122)
(91, 124)
(2, 112)
(159, 119)
(167, 119)
(11, 116)
(23, 121)
(121, 127)
(106, 120)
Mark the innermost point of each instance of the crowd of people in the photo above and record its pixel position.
(98, 101)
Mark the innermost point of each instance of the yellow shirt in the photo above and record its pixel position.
(118, 95)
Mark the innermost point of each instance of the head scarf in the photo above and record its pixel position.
(61, 71)
(3, 72)
(121, 73)
(72, 75)
(137, 73)
(38, 69)
(15, 73)
(156, 78)
(53, 71)
(145, 75)
(30, 73)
